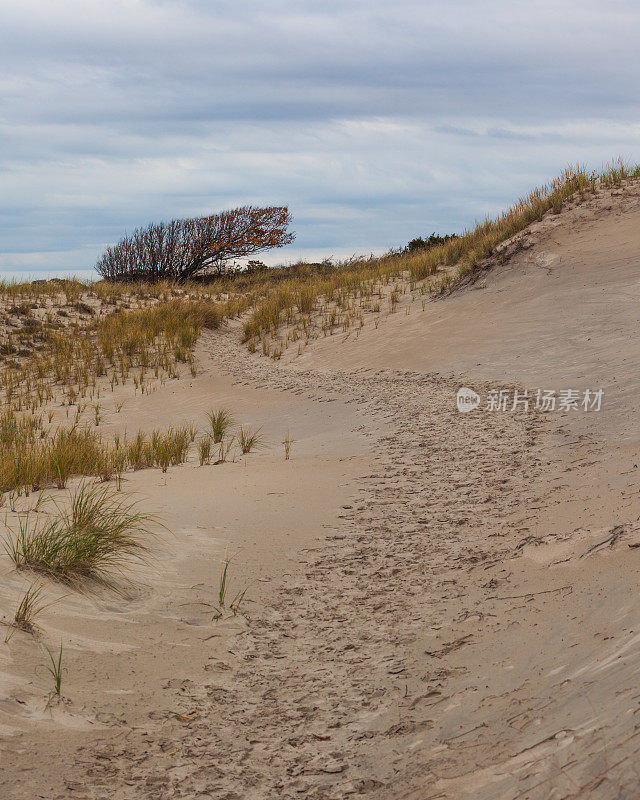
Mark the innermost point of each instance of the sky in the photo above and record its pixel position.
(374, 121)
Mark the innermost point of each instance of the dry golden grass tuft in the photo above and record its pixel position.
(32, 458)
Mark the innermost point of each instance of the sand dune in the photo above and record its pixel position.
(443, 605)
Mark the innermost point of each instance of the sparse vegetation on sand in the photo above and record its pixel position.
(169, 448)
(250, 439)
(94, 537)
(287, 442)
(29, 607)
(318, 301)
(34, 456)
(221, 422)
(223, 588)
(204, 450)
(224, 448)
(54, 668)
(48, 361)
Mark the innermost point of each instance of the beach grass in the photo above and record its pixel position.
(93, 538)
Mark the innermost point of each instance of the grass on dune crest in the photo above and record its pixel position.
(338, 297)
(62, 336)
(96, 536)
(575, 183)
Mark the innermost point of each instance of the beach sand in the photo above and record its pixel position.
(439, 605)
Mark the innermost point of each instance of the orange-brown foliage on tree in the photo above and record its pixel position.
(180, 249)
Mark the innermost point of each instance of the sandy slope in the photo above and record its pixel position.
(446, 605)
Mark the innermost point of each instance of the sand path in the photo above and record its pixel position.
(346, 668)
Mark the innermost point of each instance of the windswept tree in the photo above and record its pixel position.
(182, 248)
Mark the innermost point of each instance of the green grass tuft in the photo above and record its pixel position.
(220, 422)
(250, 439)
(28, 609)
(96, 536)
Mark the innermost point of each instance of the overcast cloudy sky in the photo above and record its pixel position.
(374, 121)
